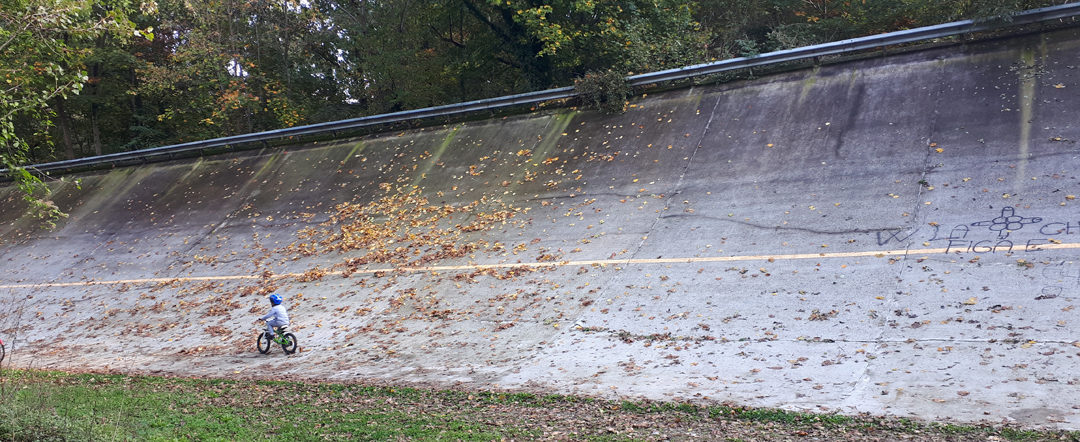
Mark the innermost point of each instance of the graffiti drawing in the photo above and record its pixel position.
(1007, 223)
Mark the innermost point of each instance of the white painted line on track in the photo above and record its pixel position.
(597, 262)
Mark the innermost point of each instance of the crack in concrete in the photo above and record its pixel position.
(675, 190)
(797, 229)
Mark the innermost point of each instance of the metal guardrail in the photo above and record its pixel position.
(859, 44)
(162, 153)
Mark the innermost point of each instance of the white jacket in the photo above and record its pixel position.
(278, 315)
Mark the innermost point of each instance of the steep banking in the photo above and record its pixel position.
(895, 235)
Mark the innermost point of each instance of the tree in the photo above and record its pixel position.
(794, 23)
(557, 40)
(232, 66)
(42, 61)
(77, 84)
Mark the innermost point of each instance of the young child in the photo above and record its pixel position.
(277, 317)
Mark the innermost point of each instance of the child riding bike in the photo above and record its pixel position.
(277, 317)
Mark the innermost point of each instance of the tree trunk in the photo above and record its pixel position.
(63, 122)
(95, 131)
(95, 94)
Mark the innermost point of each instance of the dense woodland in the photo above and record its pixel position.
(83, 78)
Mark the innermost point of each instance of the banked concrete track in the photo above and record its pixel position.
(897, 235)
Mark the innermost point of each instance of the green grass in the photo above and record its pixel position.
(42, 405)
(57, 406)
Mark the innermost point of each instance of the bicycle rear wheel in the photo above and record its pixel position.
(264, 343)
(290, 343)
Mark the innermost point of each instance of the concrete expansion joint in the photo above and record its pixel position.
(583, 195)
(228, 261)
(678, 187)
(268, 225)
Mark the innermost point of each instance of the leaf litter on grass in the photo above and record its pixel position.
(197, 408)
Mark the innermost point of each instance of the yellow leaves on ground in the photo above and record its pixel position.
(401, 228)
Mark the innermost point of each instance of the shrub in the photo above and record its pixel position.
(606, 91)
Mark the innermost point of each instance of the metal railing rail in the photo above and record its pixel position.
(162, 153)
(859, 44)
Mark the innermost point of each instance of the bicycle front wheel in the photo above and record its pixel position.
(288, 343)
(264, 343)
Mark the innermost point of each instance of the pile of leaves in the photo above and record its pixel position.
(402, 228)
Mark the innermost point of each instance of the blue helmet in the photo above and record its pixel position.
(275, 299)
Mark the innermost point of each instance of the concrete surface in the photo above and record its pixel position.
(897, 236)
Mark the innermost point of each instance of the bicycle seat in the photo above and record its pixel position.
(281, 329)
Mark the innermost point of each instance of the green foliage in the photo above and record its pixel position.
(747, 48)
(36, 193)
(81, 78)
(606, 91)
(793, 35)
(1003, 10)
(784, 24)
(222, 68)
(635, 36)
(42, 57)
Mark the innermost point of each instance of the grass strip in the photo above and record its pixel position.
(48, 405)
